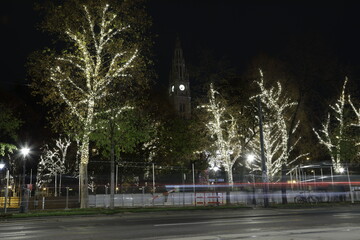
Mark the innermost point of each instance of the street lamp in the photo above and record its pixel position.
(2, 165)
(23, 207)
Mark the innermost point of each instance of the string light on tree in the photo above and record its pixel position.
(276, 130)
(223, 130)
(85, 74)
(326, 135)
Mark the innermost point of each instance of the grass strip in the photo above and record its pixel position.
(107, 211)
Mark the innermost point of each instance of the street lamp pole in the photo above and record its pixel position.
(23, 207)
(263, 160)
(250, 159)
(6, 190)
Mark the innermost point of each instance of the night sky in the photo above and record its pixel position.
(239, 30)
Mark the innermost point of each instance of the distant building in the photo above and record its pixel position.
(179, 86)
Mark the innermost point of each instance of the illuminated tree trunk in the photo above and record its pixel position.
(84, 158)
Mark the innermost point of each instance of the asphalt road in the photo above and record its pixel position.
(334, 223)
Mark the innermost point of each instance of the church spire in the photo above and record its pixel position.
(179, 87)
(178, 71)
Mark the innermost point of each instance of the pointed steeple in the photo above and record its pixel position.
(179, 86)
(178, 71)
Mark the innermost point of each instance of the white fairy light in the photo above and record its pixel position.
(223, 128)
(276, 131)
(333, 145)
(95, 70)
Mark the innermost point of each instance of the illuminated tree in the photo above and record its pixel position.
(224, 134)
(330, 137)
(357, 121)
(340, 132)
(101, 60)
(52, 162)
(45, 169)
(276, 129)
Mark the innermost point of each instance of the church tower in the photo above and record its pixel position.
(179, 90)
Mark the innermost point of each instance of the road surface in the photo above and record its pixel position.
(277, 224)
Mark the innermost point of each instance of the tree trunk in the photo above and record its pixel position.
(230, 182)
(83, 172)
(60, 185)
(112, 173)
(84, 157)
(55, 185)
(83, 185)
(283, 185)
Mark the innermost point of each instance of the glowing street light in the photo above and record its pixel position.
(25, 151)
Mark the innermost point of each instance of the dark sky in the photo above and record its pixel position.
(237, 29)
(242, 29)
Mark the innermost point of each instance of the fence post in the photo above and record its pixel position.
(142, 196)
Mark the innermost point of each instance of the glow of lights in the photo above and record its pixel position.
(215, 168)
(224, 130)
(250, 158)
(25, 151)
(341, 170)
(276, 132)
(2, 164)
(333, 145)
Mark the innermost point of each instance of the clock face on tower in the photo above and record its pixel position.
(182, 87)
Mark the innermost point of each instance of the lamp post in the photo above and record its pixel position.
(23, 207)
(250, 159)
(263, 160)
(215, 169)
(2, 165)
